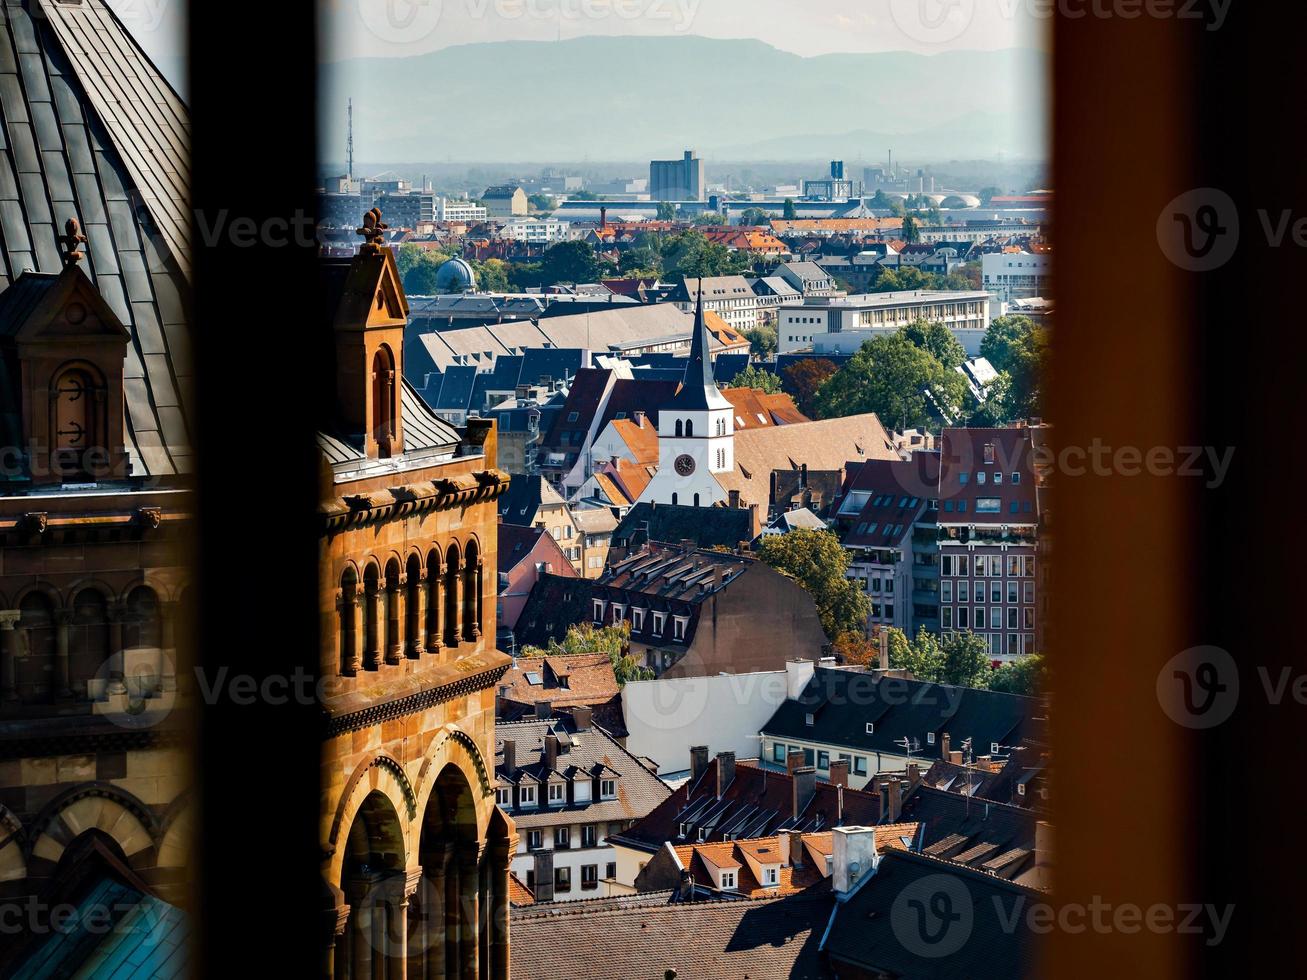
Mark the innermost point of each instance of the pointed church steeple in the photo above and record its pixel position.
(699, 392)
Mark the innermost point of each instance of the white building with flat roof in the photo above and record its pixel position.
(1012, 276)
(540, 231)
(841, 324)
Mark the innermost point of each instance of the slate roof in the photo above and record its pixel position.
(965, 451)
(963, 830)
(589, 754)
(147, 938)
(866, 929)
(730, 940)
(524, 498)
(707, 527)
(516, 544)
(727, 366)
(756, 803)
(92, 130)
(793, 520)
(422, 431)
(894, 496)
(843, 703)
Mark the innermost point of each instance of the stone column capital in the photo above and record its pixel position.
(9, 618)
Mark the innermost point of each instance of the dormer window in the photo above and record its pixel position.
(703, 834)
(659, 619)
(771, 877)
(608, 789)
(637, 619)
(557, 794)
(503, 796)
(728, 880)
(582, 790)
(599, 612)
(679, 625)
(685, 830)
(871, 728)
(808, 719)
(527, 796)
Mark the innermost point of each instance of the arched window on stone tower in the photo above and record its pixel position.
(383, 401)
(78, 430)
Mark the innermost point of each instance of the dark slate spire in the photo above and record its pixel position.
(699, 392)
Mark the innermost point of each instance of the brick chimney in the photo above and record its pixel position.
(685, 891)
(582, 716)
(551, 750)
(804, 788)
(639, 419)
(794, 761)
(734, 496)
(839, 772)
(725, 772)
(895, 800)
(791, 842)
(943, 747)
(510, 757)
(914, 774)
(698, 762)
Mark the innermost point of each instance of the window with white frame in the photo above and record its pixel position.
(771, 877)
(599, 611)
(637, 619)
(728, 879)
(658, 619)
(527, 795)
(871, 728)
(533, 840)
(557, 794)
(930, 738)
(608, 789)
(679, 625)
(860, 765)
(503, 795)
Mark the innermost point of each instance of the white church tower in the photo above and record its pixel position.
(696, 433)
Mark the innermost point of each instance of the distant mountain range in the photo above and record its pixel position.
(614, 98)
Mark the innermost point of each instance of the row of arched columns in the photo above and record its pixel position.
(59, 648)
(422, 886)
(406, 611)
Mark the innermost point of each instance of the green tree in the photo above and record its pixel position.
(817, 561)
(421, 279)
(788, 212)
(804, 380)
(762, 341)
(541, 202)
(492, 275)
(569, 262)
(883, 202)
(690, 254)
(666, 211)
(758, 380)
(995, 408)
(1028, 676)
(922, 656)
(987, 194)
(935, 337)
(755, 217)
(586, 638)
(1018, 349)
(903, 384)
(911, 234)
(1001, 339)
(710, 219)
(966, 660)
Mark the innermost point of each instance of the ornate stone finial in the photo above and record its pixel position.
(72, 240)
(373, 231)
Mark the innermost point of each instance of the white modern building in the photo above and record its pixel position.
(843, 324)
(541, 231)
(1011, 276)
(451, 210)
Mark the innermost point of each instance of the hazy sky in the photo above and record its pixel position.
(388, 28)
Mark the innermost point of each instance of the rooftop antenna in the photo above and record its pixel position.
(349, 142)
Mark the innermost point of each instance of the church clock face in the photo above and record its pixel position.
(684, 464)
